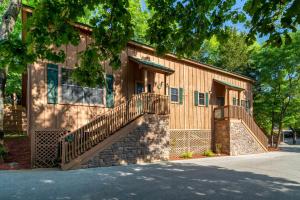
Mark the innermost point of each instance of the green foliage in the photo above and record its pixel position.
(231, 53)
(182, 26)
(278, 84)
(218, 148)
(139, 20)
(187, 155)
(13, 84)
(3, 150)
(273, 18)
(208, 153)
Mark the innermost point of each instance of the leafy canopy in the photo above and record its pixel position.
(278, 86)
(174, 26)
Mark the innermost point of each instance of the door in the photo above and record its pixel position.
(220, 101)
(139, 88)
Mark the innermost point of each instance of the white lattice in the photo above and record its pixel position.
(196, 141)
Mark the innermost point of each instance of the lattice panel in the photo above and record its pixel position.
(196, 141)
(45, 147)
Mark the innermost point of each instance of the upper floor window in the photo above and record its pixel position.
(234, 101)
(74, 93)
(174, 95)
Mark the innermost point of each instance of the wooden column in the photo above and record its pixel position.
(165, 83)
(228, 101)
(145, 81)
(239, 98)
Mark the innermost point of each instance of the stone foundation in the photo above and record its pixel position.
(147, 142)
(241, 140)
(235, 138)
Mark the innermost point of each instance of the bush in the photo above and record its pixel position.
(208, 153)
(3, 151)
(218, 148)
(186, 155)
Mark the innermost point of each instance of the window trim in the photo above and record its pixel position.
(60, 94)
(175, 102)
(204, 99)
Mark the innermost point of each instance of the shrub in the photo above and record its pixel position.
(3, 150)
(218, 148)
(208, 153)
(186, 155)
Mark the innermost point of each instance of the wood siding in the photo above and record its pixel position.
(191, 77)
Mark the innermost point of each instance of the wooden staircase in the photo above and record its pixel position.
(77, 143)
(239, 112)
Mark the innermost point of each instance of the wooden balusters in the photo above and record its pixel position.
(81, 140)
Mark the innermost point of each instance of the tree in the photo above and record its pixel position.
(139, 20)
(7, 40)
(278, 83)
(234, 52)
(231, 53)
(276, 19)
(174, 26)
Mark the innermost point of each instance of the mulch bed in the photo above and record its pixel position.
(270, 149)
(19, 153)
(195, 156)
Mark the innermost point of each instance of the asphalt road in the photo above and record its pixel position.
(274, 175)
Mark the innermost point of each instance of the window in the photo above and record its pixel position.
(74, 93)
(174, 95)
(234, 101)
(201, 99)
(243, 104)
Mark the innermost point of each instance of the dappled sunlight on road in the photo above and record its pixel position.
(225, 178)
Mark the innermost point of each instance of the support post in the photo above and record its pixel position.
(145, 81)
(228, 101)
(238, 104)
(165, 83)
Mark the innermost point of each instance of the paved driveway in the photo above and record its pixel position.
(273, 175)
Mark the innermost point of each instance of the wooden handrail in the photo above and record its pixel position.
(239, 112)
(75, 143)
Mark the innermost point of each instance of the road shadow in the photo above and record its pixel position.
(155, 181)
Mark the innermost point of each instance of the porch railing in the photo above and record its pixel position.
(75, 143)
(238, 112)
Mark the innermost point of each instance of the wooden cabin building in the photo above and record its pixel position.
(194, 91)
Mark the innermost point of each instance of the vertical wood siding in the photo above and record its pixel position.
(187, 76)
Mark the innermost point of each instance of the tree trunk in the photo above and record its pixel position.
(279, 134)
(2, 89)
(294, 135)
(272, 128)
(9, 19)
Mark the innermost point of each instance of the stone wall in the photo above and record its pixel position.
(147, 142)
(241, 140)
(235, 138)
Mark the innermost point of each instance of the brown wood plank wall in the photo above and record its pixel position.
(187, 76)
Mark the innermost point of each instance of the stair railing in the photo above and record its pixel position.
(75, 143)
(239, 112)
